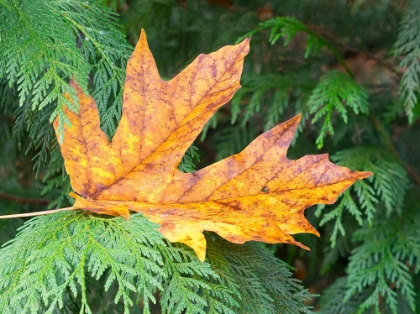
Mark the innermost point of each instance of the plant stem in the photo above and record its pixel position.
(18, 199)
(388, 142)
(45, 212)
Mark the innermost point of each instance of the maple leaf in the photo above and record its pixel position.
(257, 194)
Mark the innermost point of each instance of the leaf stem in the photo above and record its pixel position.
(45, 212)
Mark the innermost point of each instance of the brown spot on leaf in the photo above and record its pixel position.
(265, 189)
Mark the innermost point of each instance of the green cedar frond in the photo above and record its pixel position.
(50, 265)
(408, 47)
(41, 53)
(335, 92)
(264, 100)
(225, 146)
(343, 244)
(191, 156)
(287, 28)
(388, 185)
(390, 181)
(57, 182)
(264, 285)
(380, 272)
(44, 45)
(332, 299)
(253, 98)
(187, 278)
(388, 254)
(55, 254)
(107, 52)
(268, 95)
(336, 215)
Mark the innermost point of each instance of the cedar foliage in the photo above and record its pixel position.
(350, 67)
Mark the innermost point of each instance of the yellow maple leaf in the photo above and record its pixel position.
(257, 194)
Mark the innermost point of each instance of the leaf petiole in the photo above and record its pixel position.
(45, 212)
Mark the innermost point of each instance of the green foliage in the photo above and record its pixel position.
(386, 265)
(53, 255)
(350, 68)
(389, 185)
(332, 299)
(47, 43)
(188, 161)
(263, 289)
(380, 272)
(334, 93)
(408, 47)
(50, 266)
(287, 27)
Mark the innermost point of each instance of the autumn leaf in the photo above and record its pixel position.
(257, 194)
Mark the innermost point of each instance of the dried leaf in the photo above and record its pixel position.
(257, 194)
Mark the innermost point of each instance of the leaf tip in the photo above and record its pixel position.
(297, 118)
(359, 175)
(143, 34)
(246, 41)
(245, 44)
(365, 174)
(194, 239)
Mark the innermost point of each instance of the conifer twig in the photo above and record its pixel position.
(388, 142)
(329, 36)
(18, 199)
(45, 212)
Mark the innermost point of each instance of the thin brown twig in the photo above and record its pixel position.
(329, 36)
(388, 142)
(18, 199)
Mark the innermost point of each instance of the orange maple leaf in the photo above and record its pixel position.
(257, 194)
